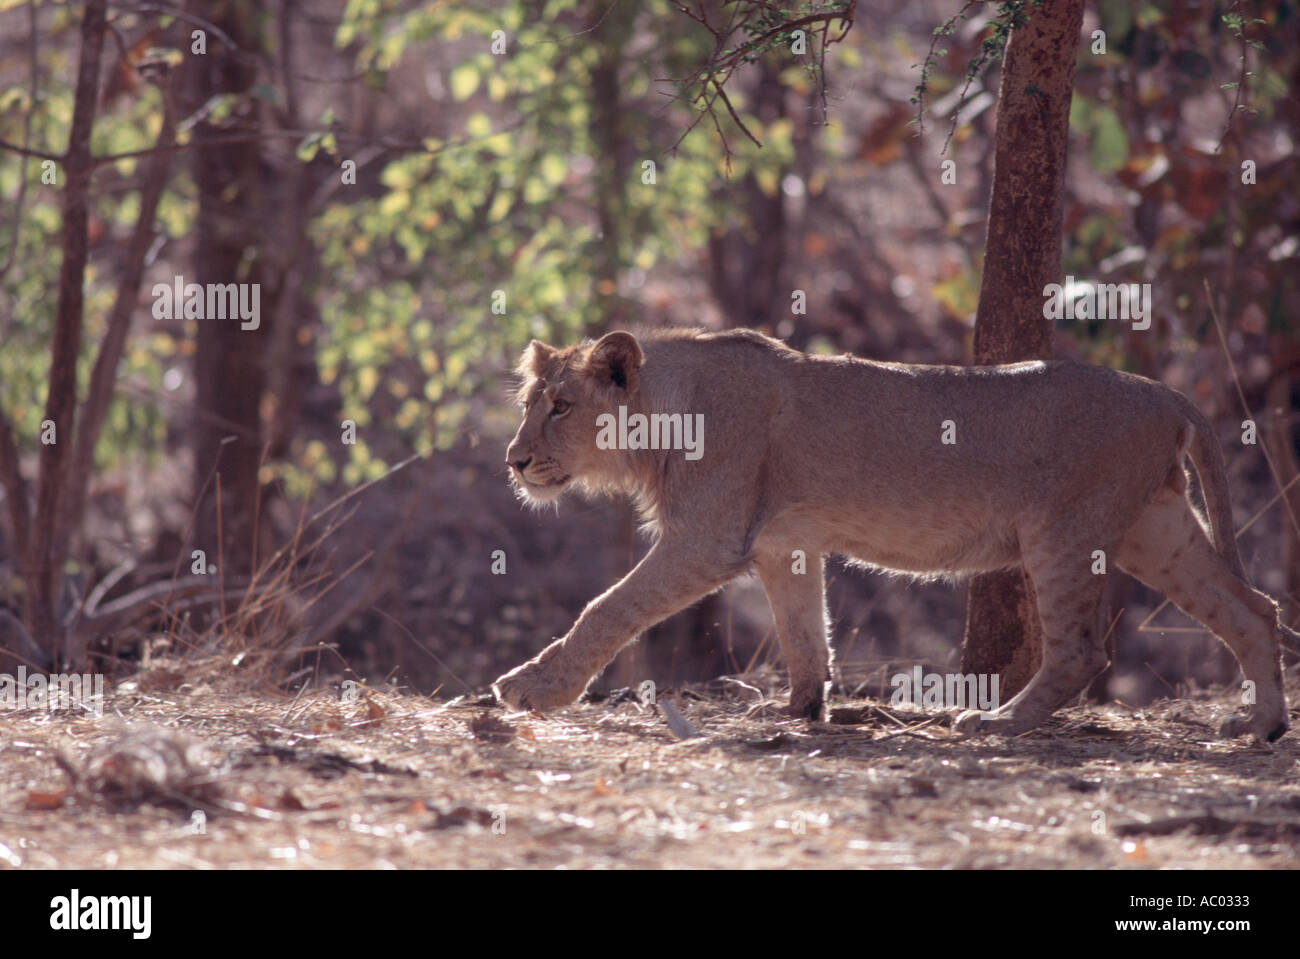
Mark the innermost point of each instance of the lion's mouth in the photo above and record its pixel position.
(553, 482)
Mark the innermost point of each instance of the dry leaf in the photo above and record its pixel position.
(489, 728)
(37, 800)
(375, 713)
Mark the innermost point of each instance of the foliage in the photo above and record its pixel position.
(135, 421)
(509, 194)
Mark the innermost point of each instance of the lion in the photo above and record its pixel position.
(920, 470)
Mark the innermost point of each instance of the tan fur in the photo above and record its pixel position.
(1052, 461)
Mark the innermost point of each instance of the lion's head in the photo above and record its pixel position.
(562, 393)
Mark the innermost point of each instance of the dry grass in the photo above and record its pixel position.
(193, 767)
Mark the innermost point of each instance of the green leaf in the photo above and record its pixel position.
(500, 207)
(367, 379)
(464, 81)
(1080, 113)
(1109, 148)
(308, 147)
(535, 190)
(395, 203)
(553, 168)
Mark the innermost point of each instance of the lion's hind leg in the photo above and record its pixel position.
(1068, 593)
(1168, 550)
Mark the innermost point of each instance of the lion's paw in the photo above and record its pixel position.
(1263, 729)
(978, 722)
(969, 723)
(812, 708)
(538, 686)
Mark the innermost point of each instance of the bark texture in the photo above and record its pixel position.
(1022, 255)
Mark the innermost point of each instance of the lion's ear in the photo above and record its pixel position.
(535, 358)
(616, 357)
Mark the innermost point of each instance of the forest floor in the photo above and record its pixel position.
(184, 774)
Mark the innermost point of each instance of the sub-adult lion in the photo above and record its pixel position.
(925, 470)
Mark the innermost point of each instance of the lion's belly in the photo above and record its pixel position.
(920, 542)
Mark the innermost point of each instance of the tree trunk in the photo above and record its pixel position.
(747, 262)
(230, 375)
(610, 133)
(1022, 256)
(43, 577)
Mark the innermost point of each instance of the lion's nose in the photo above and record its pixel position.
(521, 463)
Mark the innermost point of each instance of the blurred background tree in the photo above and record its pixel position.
(420, 188)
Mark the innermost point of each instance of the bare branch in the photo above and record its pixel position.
(712, 77)
(30, 152)
(1236, 21)
(726, 101)
(990, 50)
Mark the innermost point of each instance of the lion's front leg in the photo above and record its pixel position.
(665, 581)
(798, 601)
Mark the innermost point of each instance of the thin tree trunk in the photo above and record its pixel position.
(44, 573)
(609, 131)
(103, 376)
(1022, 256)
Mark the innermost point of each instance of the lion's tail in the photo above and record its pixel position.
(1207, 457)
(1290, 638)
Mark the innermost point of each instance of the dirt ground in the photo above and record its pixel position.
(188, 775)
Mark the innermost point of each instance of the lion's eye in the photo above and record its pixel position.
(560, 407)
